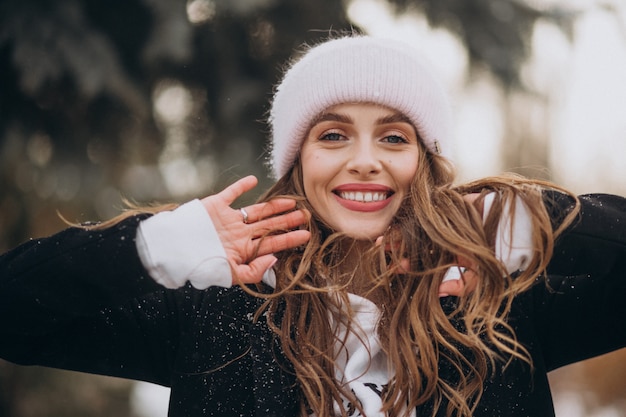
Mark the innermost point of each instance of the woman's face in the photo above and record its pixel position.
(358, 161)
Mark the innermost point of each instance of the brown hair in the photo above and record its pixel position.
(433, 228)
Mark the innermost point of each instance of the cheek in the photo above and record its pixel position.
(309, 175)
(405, 172)
(310, 160)
(315, 166)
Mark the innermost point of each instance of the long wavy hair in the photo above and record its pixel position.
(434, 228)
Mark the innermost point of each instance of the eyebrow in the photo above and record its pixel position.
(394, 118)
(332, 117)
(342, 118)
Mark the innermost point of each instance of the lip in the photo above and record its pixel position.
(360, 205)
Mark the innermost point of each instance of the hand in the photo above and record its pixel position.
(465, 283)
(468, 279)
(248, 246)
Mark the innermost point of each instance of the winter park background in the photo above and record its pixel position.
(160, 100)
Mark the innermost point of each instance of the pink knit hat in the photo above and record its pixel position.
(356, 70)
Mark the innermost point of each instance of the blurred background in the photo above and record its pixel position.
(162, 100)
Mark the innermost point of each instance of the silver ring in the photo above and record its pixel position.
(244, 213)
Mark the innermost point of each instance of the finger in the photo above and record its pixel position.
(469, 275)
(394, 242)
(472, 199)
(283, 241)
(453, 287)
(280, 223)
(470, 280)
(464, 262)
(237, 189)
(252, 272)
(404, 266)
(459, 286)
(261, 211)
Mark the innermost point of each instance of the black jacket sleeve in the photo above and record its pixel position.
(82, 300)
(581, 312)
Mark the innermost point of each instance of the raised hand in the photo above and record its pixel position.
(455, 284)
(268, 228)
(464, 282)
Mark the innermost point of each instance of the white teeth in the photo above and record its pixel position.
(363, 196)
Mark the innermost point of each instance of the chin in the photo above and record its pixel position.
(362, 236)
(365, 233)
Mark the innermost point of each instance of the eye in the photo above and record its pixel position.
(395, 139)
(332, 136)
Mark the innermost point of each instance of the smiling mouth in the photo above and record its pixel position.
(364, 196)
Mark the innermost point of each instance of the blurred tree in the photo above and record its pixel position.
(164, 100)
(80, 82)
(497, 35)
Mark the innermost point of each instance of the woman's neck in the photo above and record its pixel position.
(354, 264)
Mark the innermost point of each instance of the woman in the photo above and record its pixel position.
(362, 283)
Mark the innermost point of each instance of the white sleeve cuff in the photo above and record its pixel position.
(182, 245)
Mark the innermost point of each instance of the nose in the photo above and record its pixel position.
(364, 160)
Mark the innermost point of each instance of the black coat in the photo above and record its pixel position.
(81, 300)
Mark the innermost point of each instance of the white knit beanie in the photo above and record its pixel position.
(356, 70)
